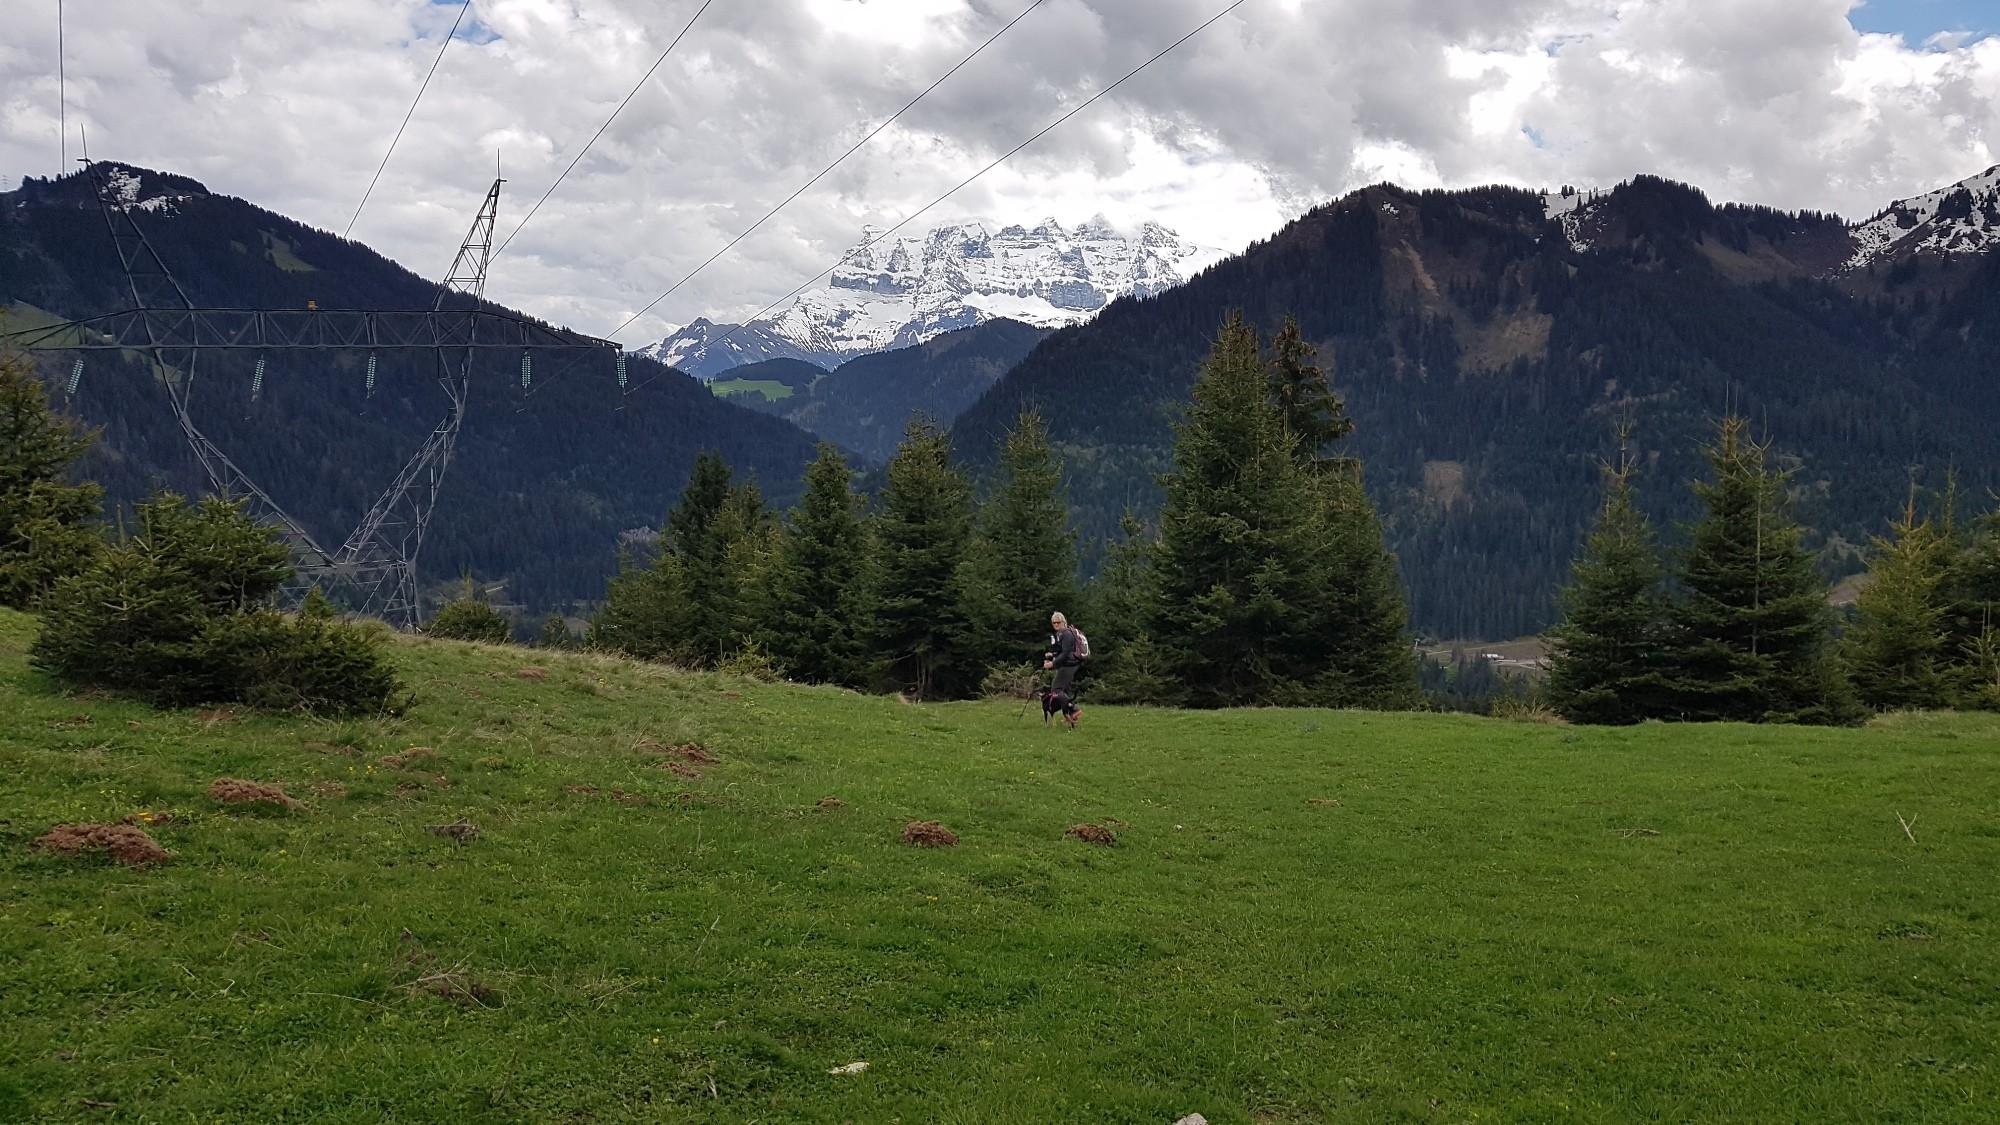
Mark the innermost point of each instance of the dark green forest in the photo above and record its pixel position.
(1487, 363)
(545, 479)
(862, 404)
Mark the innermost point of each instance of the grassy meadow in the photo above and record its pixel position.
(1307, 916)
(771, 390)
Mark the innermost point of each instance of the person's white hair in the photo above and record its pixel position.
(1057, 618)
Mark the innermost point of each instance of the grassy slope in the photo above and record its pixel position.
(771, 389)
(1468, 934)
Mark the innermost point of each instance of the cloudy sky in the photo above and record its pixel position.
(1280, 104)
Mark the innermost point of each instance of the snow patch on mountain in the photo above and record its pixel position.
(1569, 207)
(124, 189)
(1961, 219)
(894, 292)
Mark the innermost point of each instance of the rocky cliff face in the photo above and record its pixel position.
(896, 292)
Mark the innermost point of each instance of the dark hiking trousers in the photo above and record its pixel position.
(1064, 677)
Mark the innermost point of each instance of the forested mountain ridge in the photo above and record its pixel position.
(862, 404)
(1487, 340)
(545, 477)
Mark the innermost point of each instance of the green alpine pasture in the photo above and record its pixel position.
(1307, 916)
(771, 390)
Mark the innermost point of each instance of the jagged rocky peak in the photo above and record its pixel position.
(894, 291)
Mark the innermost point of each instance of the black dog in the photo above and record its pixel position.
(1055, 703)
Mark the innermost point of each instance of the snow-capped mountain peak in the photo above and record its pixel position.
(1963, 218)
(891, 292)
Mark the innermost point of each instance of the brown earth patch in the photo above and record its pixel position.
(236, 791)
(680, 768)
(1092, 834)
(629, 798)
(124, 843)
(210, 718)
(452, 983)
(928, 834)
(831, 802)
(686, 751)
(533, 673)
(398, 761)
(461, 831)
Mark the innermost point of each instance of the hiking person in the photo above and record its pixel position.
(1067, 650)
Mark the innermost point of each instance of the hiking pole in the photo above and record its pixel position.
(1026, 698)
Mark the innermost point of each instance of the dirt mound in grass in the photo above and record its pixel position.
(128, 844)
(831, 802)
(680, 768)
(398, 761)
(687, 752)
(1092, 834)
(928, 834)
(236, 791)
(533, 673)
(461, 831)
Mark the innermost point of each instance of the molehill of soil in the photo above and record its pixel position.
(687, 752)
(928, 834)
(398, 761)
(125, 843)
(235, 791)
(1092, 834)
(832, 802)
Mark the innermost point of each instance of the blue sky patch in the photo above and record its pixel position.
(1918, 20)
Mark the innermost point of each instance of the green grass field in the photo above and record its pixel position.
(770, 389)
(1479, 921)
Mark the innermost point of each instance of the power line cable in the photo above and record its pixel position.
(1003, 158)
(822, 173)
(640, 85)
(406, 117)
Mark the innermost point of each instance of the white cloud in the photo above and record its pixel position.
(1275, 107)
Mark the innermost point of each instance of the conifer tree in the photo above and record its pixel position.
(922, 533)
(1269, 577)
(816, 593)
(1127, 667)
(1022, 565)
(1314, 416)
(1362, 647)
(684, 603)
(1234, 550)
(1364, 642)
(1897, 653)
(1751, 637)
(1971, 597)
(700, 532)
(556, 632)
(1606, 655)
(45, 522)
(178, 614)
(468, 617)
